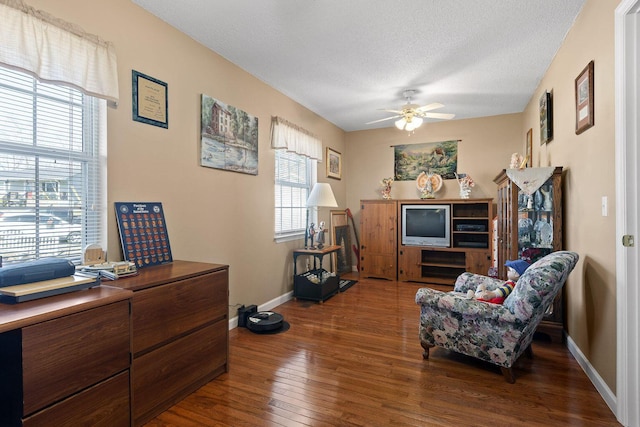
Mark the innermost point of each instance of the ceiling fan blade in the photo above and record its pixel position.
(382, 120)
(444, 116)
(391, 111)
(429, 107)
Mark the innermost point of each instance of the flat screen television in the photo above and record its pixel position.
(426, 225)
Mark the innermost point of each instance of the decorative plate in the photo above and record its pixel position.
(424, 178)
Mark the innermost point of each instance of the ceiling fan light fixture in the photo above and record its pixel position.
(409, 124)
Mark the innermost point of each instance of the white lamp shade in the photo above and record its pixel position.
(322, 196)
(409, 125)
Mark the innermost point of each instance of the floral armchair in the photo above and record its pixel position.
(498, 334)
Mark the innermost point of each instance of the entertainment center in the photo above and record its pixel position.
(429, 241)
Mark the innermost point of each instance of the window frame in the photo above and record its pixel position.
(311, 178)
(89, 161)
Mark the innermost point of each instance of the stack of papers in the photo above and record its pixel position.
(108, 270)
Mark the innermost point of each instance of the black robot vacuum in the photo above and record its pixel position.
(265, 322)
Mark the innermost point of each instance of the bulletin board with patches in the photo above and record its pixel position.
(143, 233)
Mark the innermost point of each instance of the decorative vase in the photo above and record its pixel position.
(386, 188)
(466, 183)
(465, 191)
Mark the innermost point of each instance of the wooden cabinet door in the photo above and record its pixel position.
(378, 246)
(478, 262)
(409, 264)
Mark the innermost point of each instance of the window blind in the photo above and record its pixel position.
(294, 176)
(52, 198)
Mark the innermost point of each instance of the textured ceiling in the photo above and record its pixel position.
(347, 59)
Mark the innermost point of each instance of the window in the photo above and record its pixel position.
(51, 179)
(294, 179)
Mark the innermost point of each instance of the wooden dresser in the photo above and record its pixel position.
(115, 355)
(64, 360)
(180, 332)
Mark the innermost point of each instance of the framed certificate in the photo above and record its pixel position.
(150, 100)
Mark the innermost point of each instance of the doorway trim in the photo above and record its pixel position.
(627, 82)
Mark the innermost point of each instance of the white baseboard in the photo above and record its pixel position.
(602, 387)
(233, 322)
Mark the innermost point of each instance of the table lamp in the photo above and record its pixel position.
(321, 196)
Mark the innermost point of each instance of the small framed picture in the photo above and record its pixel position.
(546, 118)
(528, 150)
(584, 99)
(150, 100)
(334, 164)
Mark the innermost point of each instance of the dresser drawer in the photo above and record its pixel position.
(162, 313)
(104, 405)
(63, 356)
(169, 373)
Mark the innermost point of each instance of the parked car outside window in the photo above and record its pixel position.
(46, 225)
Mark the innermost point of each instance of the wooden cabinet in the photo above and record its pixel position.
(384, 256)
(179, 332)
(378, 239)
(469, 247)
(530, 227)
(65, 360)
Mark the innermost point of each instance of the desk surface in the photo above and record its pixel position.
(323, 251)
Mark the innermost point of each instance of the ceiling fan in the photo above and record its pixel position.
(411, 115)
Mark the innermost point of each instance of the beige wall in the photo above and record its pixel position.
(485, 148)
(212, 215)
(589, 160)
(224, 217)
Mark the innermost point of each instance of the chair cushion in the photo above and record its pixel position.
(540, 283)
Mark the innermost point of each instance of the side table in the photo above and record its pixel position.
(315, 284)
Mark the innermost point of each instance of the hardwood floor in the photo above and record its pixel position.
(356, 360)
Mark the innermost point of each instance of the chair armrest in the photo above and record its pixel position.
(467, 281)
(461, 306)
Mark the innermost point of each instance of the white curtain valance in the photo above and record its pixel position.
(293, 138)
(56, 51)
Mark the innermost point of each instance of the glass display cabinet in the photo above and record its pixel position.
(530, 227)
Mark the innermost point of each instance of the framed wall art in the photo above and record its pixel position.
(334, 164)
(150, 100)
(584, 99)
(528, 149)
(546, 118)
(411, 160)
(228, 137)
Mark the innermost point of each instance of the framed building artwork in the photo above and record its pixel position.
(228, 137)
(334, 164)
(584, 99)
(546, 118)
